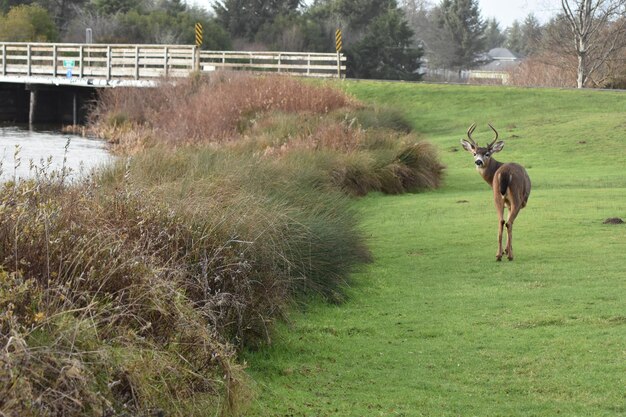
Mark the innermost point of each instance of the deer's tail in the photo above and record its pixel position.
(504, 183)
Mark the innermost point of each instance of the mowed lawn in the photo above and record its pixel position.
(435, 326)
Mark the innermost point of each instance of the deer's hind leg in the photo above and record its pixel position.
(500, 209)
(513, 212)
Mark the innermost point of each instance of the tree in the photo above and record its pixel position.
(27, 23)
(359, 14)
(376, 37)
(514, 40)
(160, 26)
(414, 11)
(244, 18)
(62, 11)
(111, 7)
(598, 29)
(295, 33)
(460, 20)
(6, 5)
(532, 32)
(494, 38)
(385, 52)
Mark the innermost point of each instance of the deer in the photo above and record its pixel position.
(510, 183)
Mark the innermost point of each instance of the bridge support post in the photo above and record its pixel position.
(74, 108)
(32, 109)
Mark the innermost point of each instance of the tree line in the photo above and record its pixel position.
(386, 39)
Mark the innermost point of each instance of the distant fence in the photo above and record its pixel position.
(141, 62)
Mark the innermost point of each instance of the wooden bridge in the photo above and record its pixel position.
(99, 65)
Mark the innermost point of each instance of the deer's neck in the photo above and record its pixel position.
(489, 170)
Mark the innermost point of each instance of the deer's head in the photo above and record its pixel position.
(482, 155)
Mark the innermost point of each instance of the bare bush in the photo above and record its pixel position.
(545, 70)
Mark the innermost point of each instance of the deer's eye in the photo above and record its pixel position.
(487, 154)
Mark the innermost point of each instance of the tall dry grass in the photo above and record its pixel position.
(131, 291)
(274, 116)
(97, 312)
(206, 109)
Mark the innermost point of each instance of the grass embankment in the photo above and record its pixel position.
(435, 326)
(131, 292)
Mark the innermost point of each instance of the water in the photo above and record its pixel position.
(41, 146)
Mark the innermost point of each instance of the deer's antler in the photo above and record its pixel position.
(469, 134)
(495, 138)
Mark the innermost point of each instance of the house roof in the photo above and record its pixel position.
(502, 54)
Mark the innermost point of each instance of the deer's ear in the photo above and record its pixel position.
(467, 146)
(497, 147)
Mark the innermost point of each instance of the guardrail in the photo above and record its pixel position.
(141, 62)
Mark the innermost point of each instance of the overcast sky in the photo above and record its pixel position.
(505, 11)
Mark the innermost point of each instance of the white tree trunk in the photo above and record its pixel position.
(580, 81)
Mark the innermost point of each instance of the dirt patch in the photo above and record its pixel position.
(613, 220)
(462, 202)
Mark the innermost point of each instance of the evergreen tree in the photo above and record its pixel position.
(514, 38)
(462, 22)
(358, 14)
(385, 52)
(376, 36)
(244, 18)
(531, 35)
(494, 38)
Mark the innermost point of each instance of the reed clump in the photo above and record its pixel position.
(97, 312)
(274, 116)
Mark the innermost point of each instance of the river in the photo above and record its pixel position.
(43, 144)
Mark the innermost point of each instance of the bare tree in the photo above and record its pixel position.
(599, 29)
(414, 10)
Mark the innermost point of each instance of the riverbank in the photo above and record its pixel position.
(192, 249)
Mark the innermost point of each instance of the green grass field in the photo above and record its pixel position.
(434, 326)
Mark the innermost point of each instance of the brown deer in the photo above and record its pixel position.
(510, 184)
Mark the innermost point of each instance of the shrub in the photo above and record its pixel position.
(545, 71)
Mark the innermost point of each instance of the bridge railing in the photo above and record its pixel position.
(300, 63)
(140, 62)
